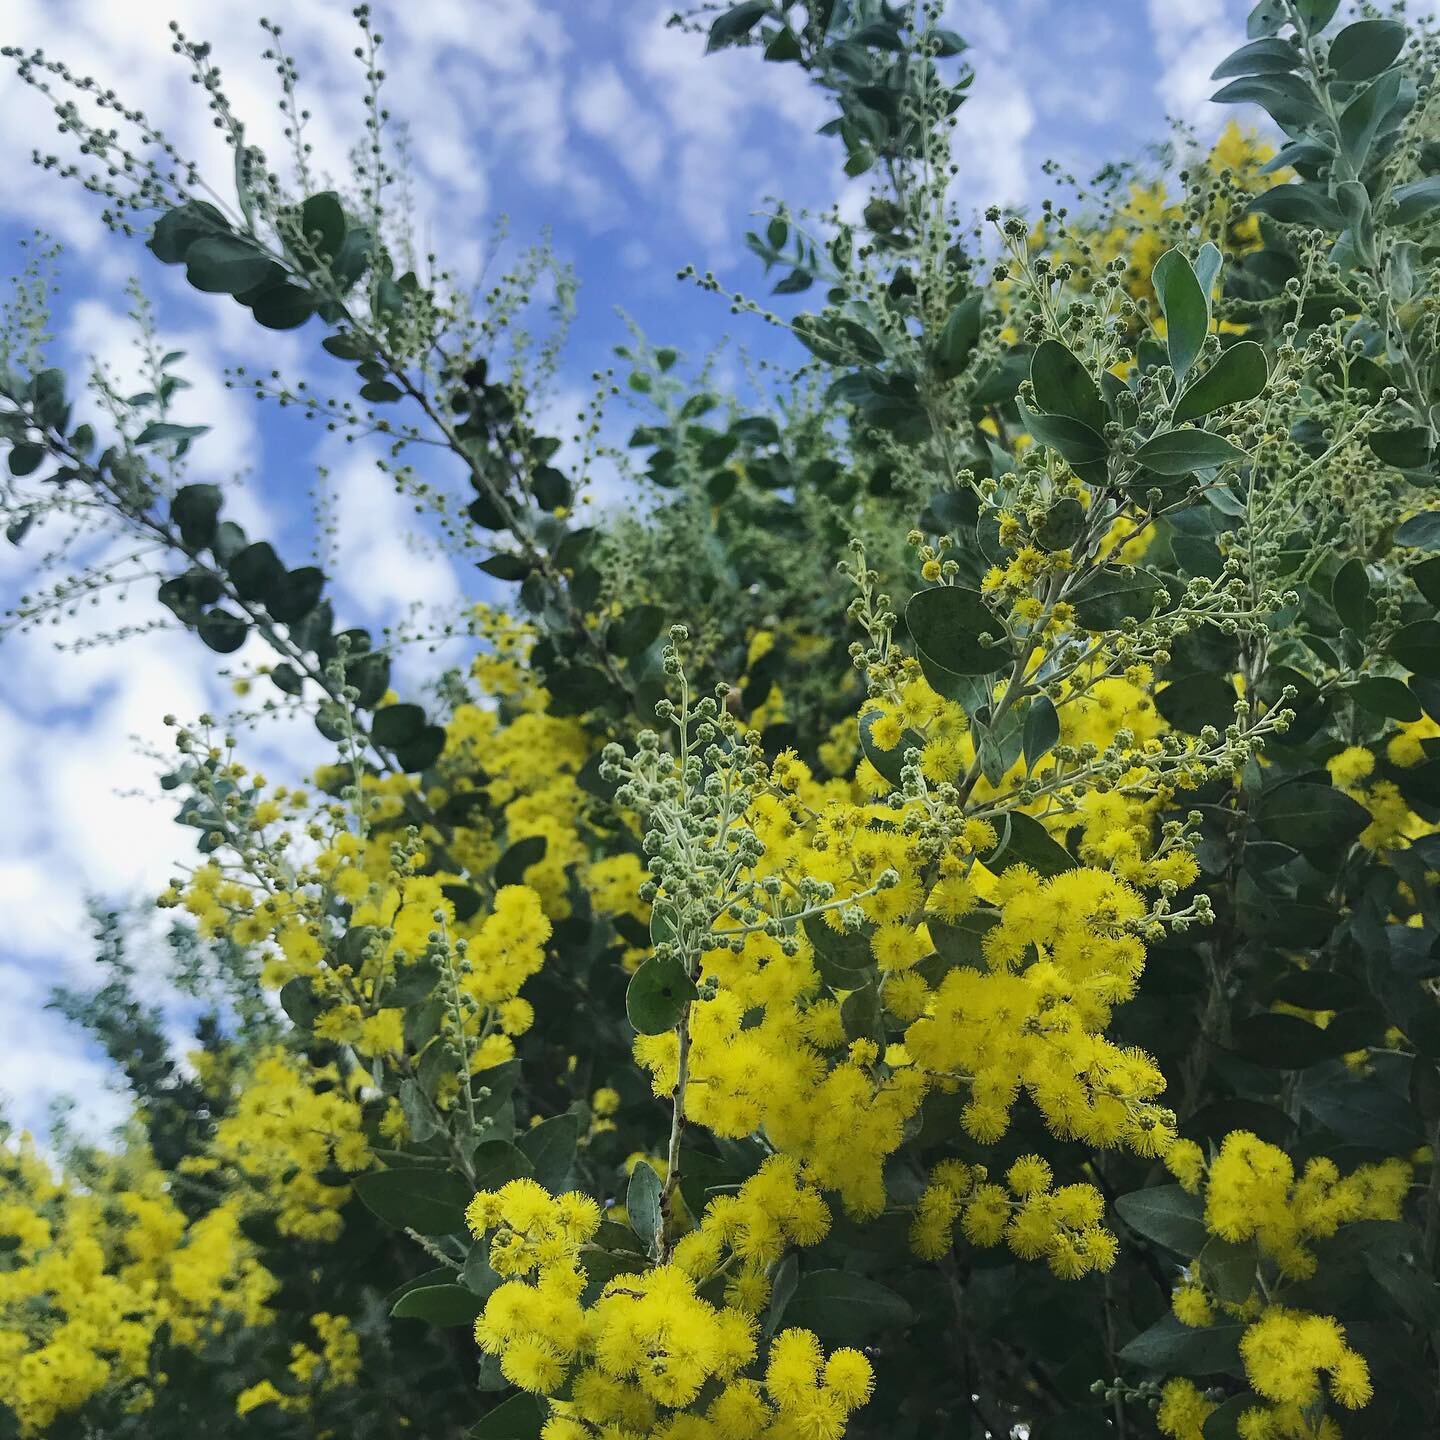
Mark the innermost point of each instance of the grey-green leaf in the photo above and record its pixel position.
(1239, 374)
(642, 1202)
(1415, 200)
(1421, 531)
(846, 1309)
(1181, 452)
(1063, 386)
(657, 995)
(1168, 1214)
(440, 1305)
(1041, 731)
(1366, 48)
(1185, 306)
(945, 624)
(550, 1147)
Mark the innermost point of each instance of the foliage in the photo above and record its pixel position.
(1023, 1022)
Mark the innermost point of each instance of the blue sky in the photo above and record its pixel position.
(589, 118)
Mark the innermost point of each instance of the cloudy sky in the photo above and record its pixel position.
(591, 119)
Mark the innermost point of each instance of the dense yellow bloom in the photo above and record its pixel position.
(99, 1273)
(1253, 1191)
(289, 1123)
(1286, 1352)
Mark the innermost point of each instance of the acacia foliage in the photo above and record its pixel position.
(1015, 989)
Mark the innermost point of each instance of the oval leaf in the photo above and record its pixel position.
(1179, 452)
(1239, 374)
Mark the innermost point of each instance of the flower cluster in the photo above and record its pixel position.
(1029, 1213)
(1293, 1358)
(632, 1357)
(95, 1273)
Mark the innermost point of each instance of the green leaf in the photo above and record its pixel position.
(846, 1309)
(1260, 57)
(510, 868)
(521, 1417)
(1278, 1041)
(862, 1016)
(1386, 696)
(1082, 446)
(504, 566)
(440, 1305)
(843, 957)
(1365, 48)
(1207, 266)
(635, 630)
(283, 307)
(642, 1203)
(657, 995)
(431, 1202)
(1265, 18)
(1041, 731)
(299, 1002)
(1111, 595)
(380, 392)
(1298, 204)
(957, 338)
(1420, 532)
(1168, 1214)
(498, 1162)
(1178, 1349)
(575, 689)
(1028, 842)
(1240, 374)
(1317, 14)
(1180, 452)
(419, 1114)
(1350, 594)
(295, 594)
(1228, 1269)
(255, 569)
(1426, 576)
(550, 1147)
(1185, 306)
(1194, 701)
(1362, 1112)
(1415, 200)
(322, 218)
(782, 1288)
(1361, 118)
(222, 631)
(1408, 1286)
(26, 459)
(1311, 818)
(1063, 386)
(226, 264)
(1286, 98)
(176, 230)
(420, 752)
(945, 623)
(194, 510)
(890, 763)
(396, 725)
(1062, 525)
(1406, 449)
(1416, 646)
(1223, 1423)
(736, 23)
(158, 431)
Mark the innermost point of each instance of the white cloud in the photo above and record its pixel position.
(1190, 41)
(741, 129)
(606, 108)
